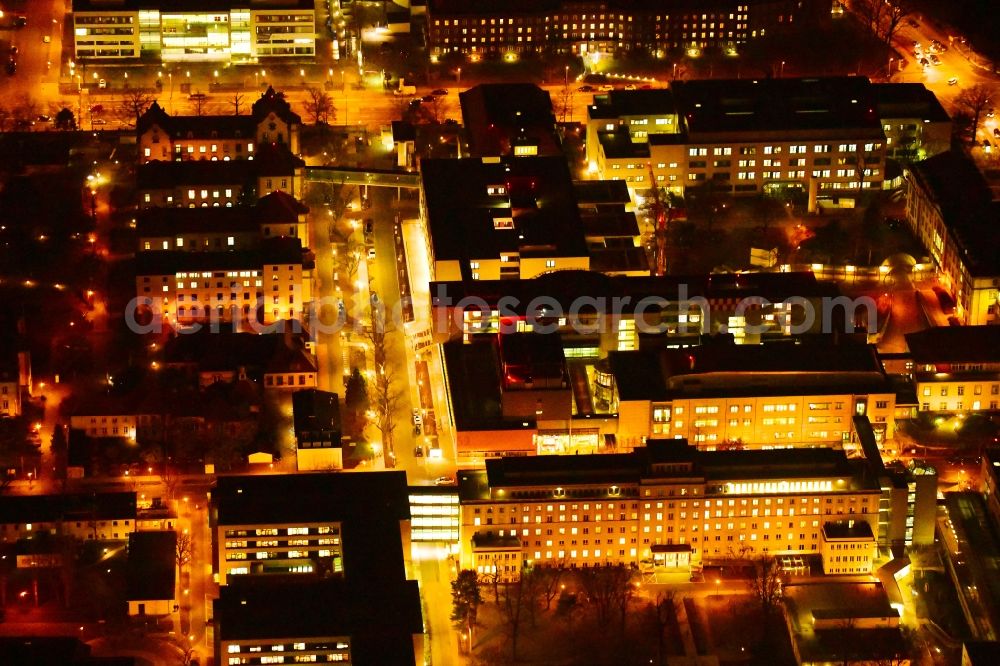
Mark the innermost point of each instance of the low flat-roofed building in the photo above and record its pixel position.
(509, 119)
(212, 31)
(86, 516)
(956, 368)
(617, 508)
(150, 576)
(371, 622)
(953, 210)
(776, 395)
(355, 525)
(848, 547)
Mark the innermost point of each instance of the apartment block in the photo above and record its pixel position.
(86, 516)
(778, 395)
(956, 368)
(666, 506)
(952, 208)
(518, 217)
(592, 27)
(820, 136)
(323, 526)
(217, 31)
(271, 283)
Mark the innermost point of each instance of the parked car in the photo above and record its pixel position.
(11, 67)
(953, 81)
(585, 89)
(630, 86)
(46, 39)
(371, 254)
(996, 132)
(935, 60)
(607, 87)
(20, 21)
(99, 121)
(369, 226)
(417, 418)
(438, 92)
(912, 23)
(102, 84)
(444, 481)
(924, 62)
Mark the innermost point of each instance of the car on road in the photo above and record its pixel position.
(990, 112)
(607, 87)
(996, 132)
(369, 226)
(20, 21)
(371, 254)
(43, 118)
(953, 81)
(935, 60)
(102, 84)
(197, 95)
(427, 98)
(912, 23)
(46, 39)
(630, 86)
(418, 419)
(444, 481)
(585, 89)
(924, 62)
(439, 91)
(98, 121)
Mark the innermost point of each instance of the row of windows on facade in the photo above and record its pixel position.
(977, 389)
(278, 554)
(694, 504)
(294, 659)
(706, 19)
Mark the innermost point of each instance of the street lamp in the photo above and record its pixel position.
(458, 75)
(782, 74)
(566, 76)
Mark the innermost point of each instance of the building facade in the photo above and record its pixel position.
(269, 284)
(664, 506)
(218, 31)
(952, 210)
(596, 27)
(820, 136)
(956, 369)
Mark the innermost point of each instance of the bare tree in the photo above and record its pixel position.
(319, 105)
(198, 101)
(236, 101)
(183, 549)
(881, 18)
(513, 606)
(609, 588)
(385, 396)
(132, 105)
(974, 100)
(549, 579)
(663, 612)
(895, 13)
(25, 110)
(765, 584)
(351, 258)
(565, 101)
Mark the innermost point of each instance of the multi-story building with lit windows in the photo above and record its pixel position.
(916, 126)
(163, 137)
(664, 506)
(776, 395)
(194, 30)
(272, 282)
(323, 526)
(517, 217)
(604, 27)
(372, 622)
(956, 368)
(230, 228)
(952, 208)
(85, 516)
(822, 136)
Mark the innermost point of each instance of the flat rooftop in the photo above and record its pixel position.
(379, 615)
(838, 106)
(532, 210)
(955, 344)
(187, 5)
(54, 508)
(497, 114)
(286, 250)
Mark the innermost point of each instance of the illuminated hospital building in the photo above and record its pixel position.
(669, 506)
(194, 30)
